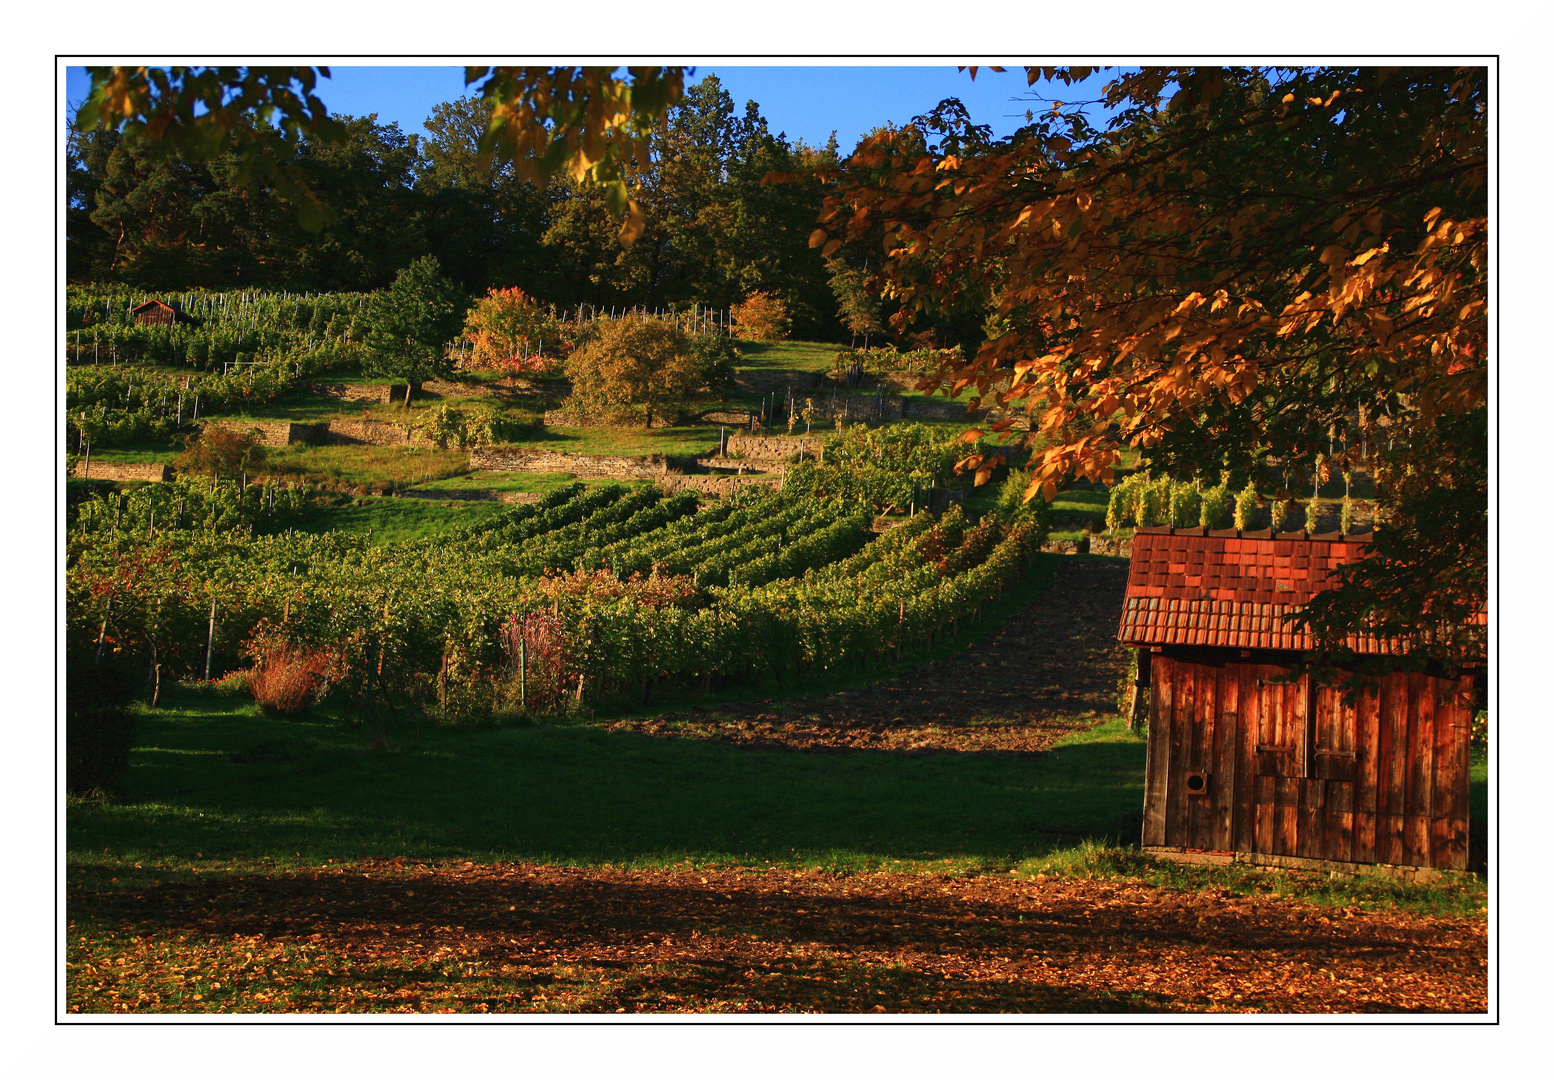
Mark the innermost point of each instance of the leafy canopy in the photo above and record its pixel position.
(1270, 265)
(583, 122)
(641, 368)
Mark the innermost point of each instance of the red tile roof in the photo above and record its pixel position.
(1231, 589)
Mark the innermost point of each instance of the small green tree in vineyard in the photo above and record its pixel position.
(411, 323)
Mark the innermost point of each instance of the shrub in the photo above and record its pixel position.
(222, 452)
(1184, 504)
(290, 679)
(1283, 515)
(1012, 505)
(879, 466)
(635, 369)
(762, 317)
(1246, 505)
(508, 330)
(1216, 505)
(715, 358)
(1478, 734)
(1154, 503)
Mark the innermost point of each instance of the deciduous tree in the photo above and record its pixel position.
(636, 367)
(1267, 265)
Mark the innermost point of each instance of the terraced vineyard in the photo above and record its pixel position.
(579, 599)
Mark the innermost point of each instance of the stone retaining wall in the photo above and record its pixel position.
(373, 393)
(274, 432)
(729, 417)
(447, 388)
(1120, 546)
(368, 433)
(652, 467)
(714, 485)
(563, 418)
(771, 447)
(107, 470)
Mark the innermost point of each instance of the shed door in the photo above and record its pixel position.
(1282, 797)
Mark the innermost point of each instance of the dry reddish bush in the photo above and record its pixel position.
(290, 679)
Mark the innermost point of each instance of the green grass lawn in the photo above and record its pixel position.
(212, 778)
(376, 467)
(483, 480)
(393, 519)
(153, 452)
(788, 355)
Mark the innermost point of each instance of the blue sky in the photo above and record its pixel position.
(806, 102)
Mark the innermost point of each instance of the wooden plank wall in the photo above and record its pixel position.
(1294, 770)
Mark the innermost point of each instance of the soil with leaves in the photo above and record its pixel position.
(404, 937)
(1049, 671)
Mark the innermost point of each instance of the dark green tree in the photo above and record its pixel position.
(411, 323)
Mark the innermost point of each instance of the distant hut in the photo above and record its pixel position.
(1244, 766)
(157, 313)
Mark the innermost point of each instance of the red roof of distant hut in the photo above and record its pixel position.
(155, 312)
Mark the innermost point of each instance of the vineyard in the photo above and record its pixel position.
(576, 601)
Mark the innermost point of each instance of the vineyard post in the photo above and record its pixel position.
(523, 669)
(86, 465)
(210, 638)
(102, 634)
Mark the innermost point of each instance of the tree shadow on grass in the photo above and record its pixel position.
(589, 796)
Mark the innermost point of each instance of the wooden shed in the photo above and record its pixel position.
(156, 313)
(1246, 766)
